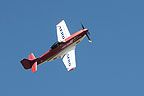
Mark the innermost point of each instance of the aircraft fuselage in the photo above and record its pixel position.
(55, 53)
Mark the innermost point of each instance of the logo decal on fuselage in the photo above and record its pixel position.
(62, 33)
(68, 58)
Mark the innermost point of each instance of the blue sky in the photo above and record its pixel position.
(112, 65)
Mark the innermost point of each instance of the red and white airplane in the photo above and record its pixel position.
(64, 48)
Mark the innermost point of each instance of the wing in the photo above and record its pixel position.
(62, 31)
(69, 59)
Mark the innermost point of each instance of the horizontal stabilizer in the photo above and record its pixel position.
(34, 66)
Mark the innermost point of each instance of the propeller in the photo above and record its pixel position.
(87, 34)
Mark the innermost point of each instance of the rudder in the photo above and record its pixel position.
(27, 64)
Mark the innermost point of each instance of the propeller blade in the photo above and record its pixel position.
(82, 26)
(86, 33)
(88, 38)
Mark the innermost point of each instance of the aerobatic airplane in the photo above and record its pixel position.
(64, 48)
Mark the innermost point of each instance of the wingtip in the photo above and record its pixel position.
(60, 21)
(71, 68)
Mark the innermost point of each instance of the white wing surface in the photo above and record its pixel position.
(69, 59)
(62, 31)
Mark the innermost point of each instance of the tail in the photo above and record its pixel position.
(31, 63)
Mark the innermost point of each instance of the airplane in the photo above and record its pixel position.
(64, 48)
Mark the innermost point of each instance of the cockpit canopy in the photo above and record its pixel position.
(57, 44)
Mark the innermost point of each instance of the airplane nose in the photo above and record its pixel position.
(85, 29)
